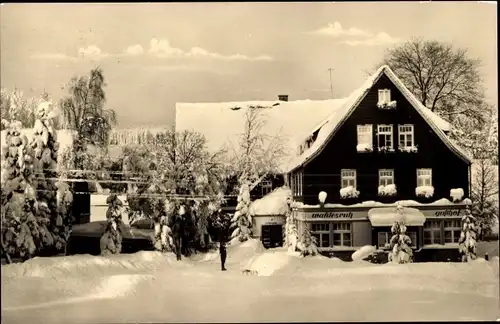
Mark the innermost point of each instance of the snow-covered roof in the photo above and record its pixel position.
(372, 203)
(222, 123)
(274, 203)
(388, 215)
(331, 124)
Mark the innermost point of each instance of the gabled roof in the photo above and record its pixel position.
(330, 125)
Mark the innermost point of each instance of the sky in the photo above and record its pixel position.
(156, 54)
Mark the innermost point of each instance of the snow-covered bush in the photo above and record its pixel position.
(364, 147)
(24, 220)
(388, 190)
(387, 105)
(467, 241)
(349, 192)
(409, 149)
(364, 252)
(456, 194)
(111, 240)
(64, 221)
(242, 219)
(424, 191)
(400, 244)
(308, 245)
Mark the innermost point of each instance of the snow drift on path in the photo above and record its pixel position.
(270, 261)
(363, 253)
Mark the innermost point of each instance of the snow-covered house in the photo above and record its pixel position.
(380, 146)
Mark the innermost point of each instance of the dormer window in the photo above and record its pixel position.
(384, 99)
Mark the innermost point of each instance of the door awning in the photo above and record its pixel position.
(386, 216)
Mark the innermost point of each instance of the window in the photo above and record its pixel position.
(321, 231)
(365, 139)
(384, 96)
(342, 234)
(266, 186)
(406, 136)
(384, 137)
(385, 177)
(432, 232)
(424, 177)
(413, 238)
(348, 178)
(383, 240)
(452, 230)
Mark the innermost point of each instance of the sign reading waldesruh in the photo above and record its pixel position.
(331, 215)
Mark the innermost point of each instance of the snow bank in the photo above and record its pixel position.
(117, 286)
(88, 265)
(372, 203)
(387, 216)
(364, 148)
(268, 262)
(363, 253)
(274, 203)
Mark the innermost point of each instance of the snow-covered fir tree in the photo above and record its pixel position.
(111, 240)
(64, 214)
(45, 148)
(24, 220)
(467, 241)
(401, 251)
(291, 236)
(308, 244)
(242, 221)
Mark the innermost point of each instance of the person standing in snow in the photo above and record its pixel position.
(177, 231)
(223, 253)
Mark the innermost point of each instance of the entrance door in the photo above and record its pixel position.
(272, 236)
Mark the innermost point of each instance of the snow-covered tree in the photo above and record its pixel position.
(242, 220)
(467, 241)
(45, 148)
(308, 245)
(401, 251)
(111, 240)
(15, 105)
(64, 220)
(24, 220)
(290, 233)
(257, 156)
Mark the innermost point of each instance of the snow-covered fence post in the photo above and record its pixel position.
(467, 241)
(401, 251)
(242, 219)
(111, 241)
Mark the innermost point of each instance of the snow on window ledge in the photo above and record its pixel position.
(387, 105)
(385, 149)
(456, 194)
(389, 190)
(349, 192)
(408, 149)
(424, 191)
(364, 148)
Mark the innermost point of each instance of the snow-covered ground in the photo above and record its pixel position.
(280, 286)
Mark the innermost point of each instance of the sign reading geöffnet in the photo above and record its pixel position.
(444, 213)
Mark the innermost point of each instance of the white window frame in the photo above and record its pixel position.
(413, 239)
(384, 96)
(386, 130)
(386, 241)
(432, 230)
(456, 226)
(321, 233)
(424, 177)
(341, 228)
(365, 135)
(385, 177)
(266, 187)
(405, 131)
(349, 177)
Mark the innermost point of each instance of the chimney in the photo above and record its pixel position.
(283, 97)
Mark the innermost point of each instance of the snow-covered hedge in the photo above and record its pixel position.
(364, 148)
(349, 192)
(388, 190)
(424, 191)
(456, 194)
(387, 105)
(409, 149)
